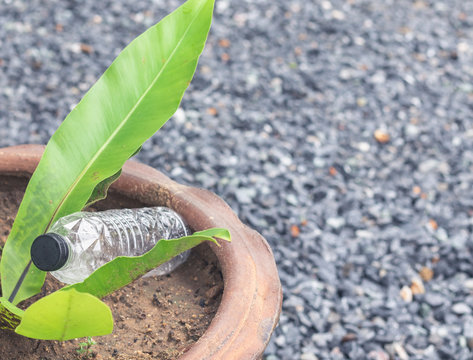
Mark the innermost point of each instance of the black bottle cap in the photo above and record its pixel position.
(49, 252)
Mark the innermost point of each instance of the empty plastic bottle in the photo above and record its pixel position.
(77, 244)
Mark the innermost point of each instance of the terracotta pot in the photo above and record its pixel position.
(252, 296)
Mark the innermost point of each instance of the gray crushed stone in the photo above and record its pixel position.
(287, 119)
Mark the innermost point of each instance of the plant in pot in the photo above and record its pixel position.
(136, 95)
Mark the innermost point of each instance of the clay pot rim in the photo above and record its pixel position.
(252, 297)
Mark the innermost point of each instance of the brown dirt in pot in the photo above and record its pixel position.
(155, 317)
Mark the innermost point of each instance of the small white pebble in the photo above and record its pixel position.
(406, 293)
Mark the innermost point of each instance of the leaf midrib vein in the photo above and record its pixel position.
(120, 126)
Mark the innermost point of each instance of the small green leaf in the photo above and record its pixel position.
(100, 191)
(123, 270)
(10, 315)
(65, 315)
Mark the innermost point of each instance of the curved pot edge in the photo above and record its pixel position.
(252, 298)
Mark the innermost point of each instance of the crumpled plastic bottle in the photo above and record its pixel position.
(77, 244)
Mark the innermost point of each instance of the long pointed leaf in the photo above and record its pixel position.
(124, 269)
(137, 94)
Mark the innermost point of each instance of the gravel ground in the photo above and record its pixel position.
(341, 130)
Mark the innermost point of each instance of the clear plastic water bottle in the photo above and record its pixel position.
(77, 244)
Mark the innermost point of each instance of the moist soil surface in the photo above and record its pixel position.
(154, 317)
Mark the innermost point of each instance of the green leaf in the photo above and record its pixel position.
(101, 189)
(65, 315)
(10, 315)
(123, 270)
(137, 94)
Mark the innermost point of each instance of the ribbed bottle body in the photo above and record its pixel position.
(95, 238)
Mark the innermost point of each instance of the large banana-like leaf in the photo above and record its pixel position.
(135, 96)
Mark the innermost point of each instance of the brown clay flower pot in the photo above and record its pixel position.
(252, 296)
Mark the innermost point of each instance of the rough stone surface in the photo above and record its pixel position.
(339, 129)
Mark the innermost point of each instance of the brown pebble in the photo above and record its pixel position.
(406, 294)
(302, 36)
(433, 224)
(378, 355)
(405, 30)
(349, 337)
(420, 5)
(225, 57)
(86, 48)
(295, 231)
(97, 19)
(225, 43)
(426, 273)
(417, 287)
(212, 111)
(381, 136)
